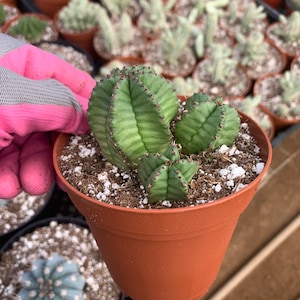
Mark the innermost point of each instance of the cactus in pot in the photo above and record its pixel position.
(290, 29)
(79, 15)
(133, 115)
(30, 27)
(289, 83)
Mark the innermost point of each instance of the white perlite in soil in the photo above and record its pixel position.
(69, 240)
(221, 173)
(20, 210)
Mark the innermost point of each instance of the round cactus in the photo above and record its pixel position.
(53, 278)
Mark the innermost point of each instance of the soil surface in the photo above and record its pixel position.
(221, 172)
(69, 240)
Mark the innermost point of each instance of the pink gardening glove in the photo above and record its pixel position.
(39, 94)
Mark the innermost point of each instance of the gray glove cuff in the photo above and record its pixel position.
(8, 43)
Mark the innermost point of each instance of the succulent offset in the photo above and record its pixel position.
(52, 278)
(134, 115)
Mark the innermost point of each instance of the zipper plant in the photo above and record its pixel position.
(151, 142)
(141, 134)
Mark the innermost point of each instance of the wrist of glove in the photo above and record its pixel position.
(40, 93)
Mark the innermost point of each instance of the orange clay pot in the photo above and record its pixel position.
(50, 7)
(167, 254)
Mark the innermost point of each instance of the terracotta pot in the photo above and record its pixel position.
(83, 39)
(50, 7)
(167, 253)
(279, 122)
(12, 21)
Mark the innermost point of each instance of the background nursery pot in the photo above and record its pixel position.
(172, 253)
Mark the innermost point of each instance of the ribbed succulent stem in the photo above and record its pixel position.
(130, 113)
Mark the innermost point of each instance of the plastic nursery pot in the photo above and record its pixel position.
(168, 254)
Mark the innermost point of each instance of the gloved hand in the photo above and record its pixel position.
(39, 94)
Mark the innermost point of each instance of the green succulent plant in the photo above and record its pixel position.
(251, 15)
(290, 31)
(115, 37)
(175, 41)
(79, 15)
(252, 48)
(290, 82)
(156, 12)
(222, 63)
(135, 117)
(30, 27)
(116, 7)
(52, 278)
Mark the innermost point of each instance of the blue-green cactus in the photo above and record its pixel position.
(52, 279)
(134, 115)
